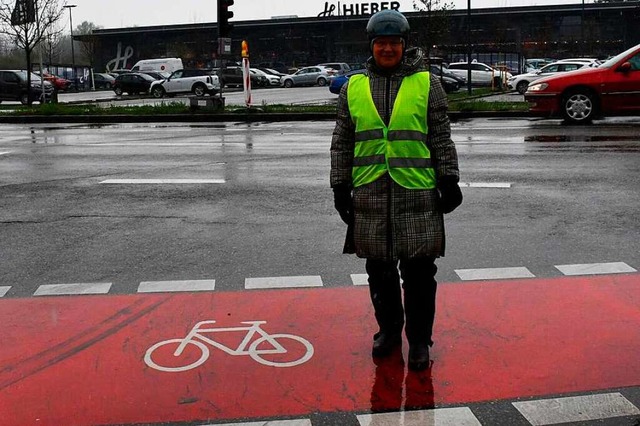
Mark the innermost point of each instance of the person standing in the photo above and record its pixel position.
(394, 172)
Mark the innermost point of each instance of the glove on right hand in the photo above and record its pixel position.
(450, 193)
(343, 203)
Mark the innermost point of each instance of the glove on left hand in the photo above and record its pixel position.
(450, 193)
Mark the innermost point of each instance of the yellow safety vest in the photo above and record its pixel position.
(399, 149)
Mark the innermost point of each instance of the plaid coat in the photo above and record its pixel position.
(392, 222)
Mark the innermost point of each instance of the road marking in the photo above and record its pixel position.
(68, 289)
(459, 416)
(283, 282)
(575, 409)
(493, 273)
(301, 422)
(6, 152)
(4, 290)
(162, 181)
(595, 268)
(499, 185)
(176, 286)
(360, 279)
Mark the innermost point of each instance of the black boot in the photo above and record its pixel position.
(385, 343)
(418, 357)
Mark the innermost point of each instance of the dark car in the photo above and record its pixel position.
(233, 76)
(103, 80)
(132, 83)
(339, 81)
(13, 87)
(156, 75)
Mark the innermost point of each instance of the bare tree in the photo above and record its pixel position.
(433, 28)
(28, 22)
(88, 42)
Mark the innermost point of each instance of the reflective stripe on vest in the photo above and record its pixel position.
(399, 149)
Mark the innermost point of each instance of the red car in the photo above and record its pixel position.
(613, 88)
(58, 82)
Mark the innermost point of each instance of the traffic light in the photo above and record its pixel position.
(224, 14)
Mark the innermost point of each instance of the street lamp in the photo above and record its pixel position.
(73, 53)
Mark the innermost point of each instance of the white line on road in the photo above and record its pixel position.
(595, 268)
(162, 181)
(300, 422)
(497, 185)
(359, 279)
(282, 282)
(493, 273)
(68, 289)
(576, 409)
(459, 416)
(4, 290)
(176, 286)
(6, 152)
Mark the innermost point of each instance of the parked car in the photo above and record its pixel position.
(521, 82)
(278, 66)
(132, 83)
(162, 65)
(102, 80)
(481, 74)
(156, 75)
(340, 67)
(613, 88)
(233, 76)
(530, 65)
(308, 76)
(339, 81)
(272, 72)
(58, 82)
(197, 81)
(13, 87)
(441, 71)
(271, 79)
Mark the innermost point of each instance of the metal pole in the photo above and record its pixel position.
(469, 46)
(73, 53)
(582, 50)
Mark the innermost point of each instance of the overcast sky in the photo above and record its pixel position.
(128, 13)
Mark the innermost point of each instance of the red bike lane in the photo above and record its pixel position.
(100, 359)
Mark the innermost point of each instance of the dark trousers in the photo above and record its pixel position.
(419, 285)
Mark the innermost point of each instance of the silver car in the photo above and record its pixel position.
(308, 76)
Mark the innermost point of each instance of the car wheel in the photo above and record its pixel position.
(288, 84)
(521, 87)
(108, 85)
(579, 106)
(118, 91)
(199, 89)
(322, 81)
(24, 99)
(157, 92)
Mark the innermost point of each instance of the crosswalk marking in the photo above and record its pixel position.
(577, 408)
(359, 279)
(595, 268)
(283, 282)
(4, 290)
(493, 273)
(496, 185)
(161, 181)
(176, 286)
(69, 289)
(301, 422)
(459, 416)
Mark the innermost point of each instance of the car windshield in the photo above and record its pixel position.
(23, 76)
(611, 62)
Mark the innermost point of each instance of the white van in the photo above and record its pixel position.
(162, 65)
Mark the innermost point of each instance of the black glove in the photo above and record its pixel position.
(343, 203)
(450, 193)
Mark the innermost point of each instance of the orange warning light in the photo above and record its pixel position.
(245, 49)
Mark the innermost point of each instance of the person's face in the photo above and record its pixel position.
(387, 51)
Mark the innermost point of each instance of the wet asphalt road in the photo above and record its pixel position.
(573, 198)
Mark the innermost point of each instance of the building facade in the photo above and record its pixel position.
(492, 35)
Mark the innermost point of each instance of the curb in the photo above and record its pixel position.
(217, 117)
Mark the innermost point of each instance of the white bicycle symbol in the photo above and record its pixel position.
(253, 348)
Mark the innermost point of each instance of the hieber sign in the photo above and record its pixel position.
(357, 8)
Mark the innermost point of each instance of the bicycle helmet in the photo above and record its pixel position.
(388, 22)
